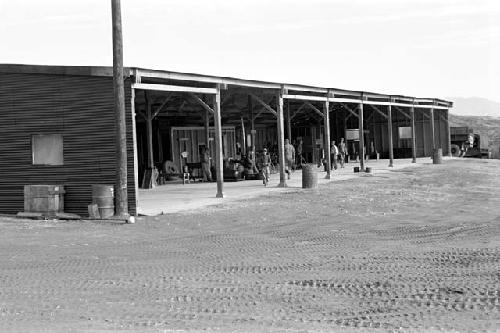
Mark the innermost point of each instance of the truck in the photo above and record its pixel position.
(466, 143)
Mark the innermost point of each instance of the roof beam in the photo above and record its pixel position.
(306, 98)
(166, 87)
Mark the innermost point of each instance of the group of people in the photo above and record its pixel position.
(338, 154)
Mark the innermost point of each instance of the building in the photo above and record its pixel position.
(57, 125)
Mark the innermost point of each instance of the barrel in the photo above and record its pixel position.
(356, 169)
(368, 169)
(437, 156)
(309, 176)
(103, 196)
(46, 199)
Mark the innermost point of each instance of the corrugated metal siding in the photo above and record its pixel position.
(78, 107)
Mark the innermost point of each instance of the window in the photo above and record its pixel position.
(47, 149)
(404, 132)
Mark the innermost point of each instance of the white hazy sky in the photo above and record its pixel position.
(423, 48)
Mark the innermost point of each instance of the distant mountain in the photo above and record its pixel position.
(474, 106)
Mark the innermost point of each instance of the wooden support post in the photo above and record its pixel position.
(389, 133)
(134, 141)
(281, 138)
(326, 120)
(149, 131)
(160, 144)
(218, 145)
(413, 138)
(432, 131)
(207, 129)
(288, 122)
(252, 126)
(361, 139)
(121, 126)
(448, 132)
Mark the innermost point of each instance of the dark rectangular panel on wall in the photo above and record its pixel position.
(81, 109)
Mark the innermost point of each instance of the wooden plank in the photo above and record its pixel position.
(266, 106)
(306, 98)
(166, 87)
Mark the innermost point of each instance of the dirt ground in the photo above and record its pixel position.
(416, 249)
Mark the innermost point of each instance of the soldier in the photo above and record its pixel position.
(289, 157)
(342, 152)
(334, 152)
(205, 165)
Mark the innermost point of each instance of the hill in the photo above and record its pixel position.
(474, 106)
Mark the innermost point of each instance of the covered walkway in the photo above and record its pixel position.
(177, 198)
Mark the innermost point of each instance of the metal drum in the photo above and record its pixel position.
(368, 169)
(356, 169)
(309, 176)
(104, 196)
(437, 157)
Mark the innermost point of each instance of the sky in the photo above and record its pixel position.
(421, 48)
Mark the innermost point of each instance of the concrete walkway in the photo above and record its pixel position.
(174, 198)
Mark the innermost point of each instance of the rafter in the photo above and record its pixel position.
(202, 103)
(349, 109)
(379, 111)
(298, 110)
(403, 112)
(264, 104)
(158, 110)
(315, 109)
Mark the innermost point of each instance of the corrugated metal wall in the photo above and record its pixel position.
(78, 107)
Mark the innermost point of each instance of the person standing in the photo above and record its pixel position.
(205, 165)
(342, 152)
(289, 157)
(266, 163)
(334, 152)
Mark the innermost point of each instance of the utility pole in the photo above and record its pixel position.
(119, 96)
